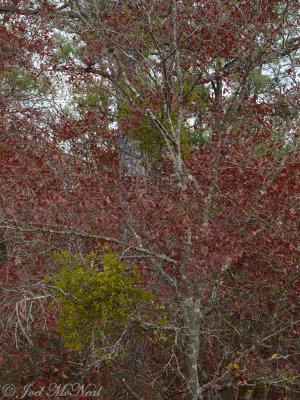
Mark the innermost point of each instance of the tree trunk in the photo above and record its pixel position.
(192, 349)
(132, 163)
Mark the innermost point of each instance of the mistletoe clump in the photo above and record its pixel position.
(93, 300)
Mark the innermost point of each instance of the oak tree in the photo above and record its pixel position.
(176, 144)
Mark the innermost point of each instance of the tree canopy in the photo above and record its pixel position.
(149, 203)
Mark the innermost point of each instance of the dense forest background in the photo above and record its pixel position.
(149, 202)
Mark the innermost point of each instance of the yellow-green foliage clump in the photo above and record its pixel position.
(151, 142)
(23, 80)
(93, 301)
(68, 48)
(94, 97)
